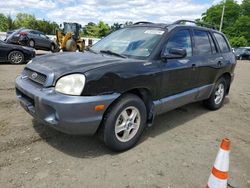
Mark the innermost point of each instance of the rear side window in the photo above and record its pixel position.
(213, 46)
(181, 39)
(202, 43)
(222, 42)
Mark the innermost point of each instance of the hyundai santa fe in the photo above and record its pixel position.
(119, 85)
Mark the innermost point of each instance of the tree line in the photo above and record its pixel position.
(236, 24)
(98, 30)
(27, 21)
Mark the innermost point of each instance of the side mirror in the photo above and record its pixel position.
(174, 53)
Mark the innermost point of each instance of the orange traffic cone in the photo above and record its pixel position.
(219, 174)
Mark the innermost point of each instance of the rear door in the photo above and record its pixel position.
(35, 36)
(45, 42)
(209, 60)
(225, 62)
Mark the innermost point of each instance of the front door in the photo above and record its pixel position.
(180, 74)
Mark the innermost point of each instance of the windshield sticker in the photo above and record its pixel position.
(154, 32)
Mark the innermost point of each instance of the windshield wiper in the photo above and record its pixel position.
(112, 53)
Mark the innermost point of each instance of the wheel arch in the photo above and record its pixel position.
(15, 50)
(227, 76)
(145, 95)
(31, 39)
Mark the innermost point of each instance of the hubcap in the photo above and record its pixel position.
(127, 124)
(219, 94)
(32, 43)
(16, 58)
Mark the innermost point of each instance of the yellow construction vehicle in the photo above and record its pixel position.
(68, 39)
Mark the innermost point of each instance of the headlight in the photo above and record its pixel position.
(71, 85)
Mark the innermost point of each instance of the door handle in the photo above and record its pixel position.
(219, 63)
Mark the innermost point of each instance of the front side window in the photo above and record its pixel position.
(202, 43)
(181, 39)
(222, 42)
(135, 42)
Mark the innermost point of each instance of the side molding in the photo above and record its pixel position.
(169, 103)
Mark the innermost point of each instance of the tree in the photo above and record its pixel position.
(245, 7)
(242, 28)
(238, 41)
(103, 28)
(115, 26)
(90, 30)
(213, 14)
(236, 24)
(127, 23)
(47, 27)
(3, 22)
(25, 20)
(10, 23)
(96, 30)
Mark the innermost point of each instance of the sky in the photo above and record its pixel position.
(109, 11)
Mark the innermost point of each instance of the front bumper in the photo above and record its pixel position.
(68, 114)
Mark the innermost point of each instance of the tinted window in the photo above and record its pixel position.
(222, 42)
(248, 51)
(202, 43)
(214, 50)
(181, 39)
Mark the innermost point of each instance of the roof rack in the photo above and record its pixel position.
(198, 23)
(142, 22)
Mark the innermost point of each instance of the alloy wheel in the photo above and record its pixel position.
(127, 124)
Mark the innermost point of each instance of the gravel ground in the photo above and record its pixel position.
(178, 151)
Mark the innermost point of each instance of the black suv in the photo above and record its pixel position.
(119, 85)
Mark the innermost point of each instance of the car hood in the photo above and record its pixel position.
(60, 64)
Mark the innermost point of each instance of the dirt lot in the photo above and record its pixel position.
(178, 151)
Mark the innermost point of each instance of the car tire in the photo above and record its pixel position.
(71, 45)
(53, 48)
(217, 97)
(31, 43)
(16, 57)
(124, 123)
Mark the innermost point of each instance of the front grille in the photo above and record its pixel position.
(35, 76)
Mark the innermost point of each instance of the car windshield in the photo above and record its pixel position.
(134, 42)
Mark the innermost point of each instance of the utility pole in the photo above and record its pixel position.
(222, 15)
